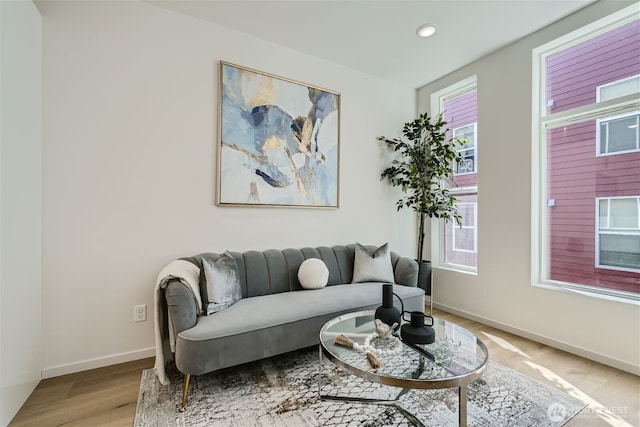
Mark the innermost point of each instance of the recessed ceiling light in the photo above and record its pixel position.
(426, 30)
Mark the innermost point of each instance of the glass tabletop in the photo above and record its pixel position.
(457, 356)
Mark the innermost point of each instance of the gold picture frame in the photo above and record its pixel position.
(278, 141)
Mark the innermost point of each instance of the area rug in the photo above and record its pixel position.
(283, 391)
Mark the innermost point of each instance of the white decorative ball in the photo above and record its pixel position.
(313, 274)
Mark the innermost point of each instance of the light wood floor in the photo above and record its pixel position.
(107, 396)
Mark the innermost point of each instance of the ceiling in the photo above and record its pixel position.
(379, 37)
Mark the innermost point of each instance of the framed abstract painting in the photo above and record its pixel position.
(278, 141)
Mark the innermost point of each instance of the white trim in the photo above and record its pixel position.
(561, 345)
(596, 28)
(99, 362)
(441, 233)
(539, 239)
(438, 99)
(458, 269)
(593, 111)
(591, 291)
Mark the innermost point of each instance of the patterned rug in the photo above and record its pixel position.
(283, 391)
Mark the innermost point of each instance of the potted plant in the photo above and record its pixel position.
(423, 169)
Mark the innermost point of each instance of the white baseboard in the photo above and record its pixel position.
(100, 362)
(579, 351)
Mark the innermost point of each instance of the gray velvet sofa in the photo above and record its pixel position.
(275, 315)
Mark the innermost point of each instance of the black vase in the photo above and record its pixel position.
(387, 313)
(418, 332)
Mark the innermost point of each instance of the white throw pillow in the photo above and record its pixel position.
(372, 266)
(313, 274)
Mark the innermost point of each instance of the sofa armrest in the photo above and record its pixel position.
(182, 306)
(406, 272)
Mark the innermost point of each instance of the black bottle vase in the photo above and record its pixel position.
(387, 313)
(418, 332)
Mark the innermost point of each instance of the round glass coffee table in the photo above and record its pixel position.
(455, 359)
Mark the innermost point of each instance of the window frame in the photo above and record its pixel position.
(615, 231)
(542, 122)
(438, 99)
(474, 228)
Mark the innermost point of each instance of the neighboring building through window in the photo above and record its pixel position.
(454, 246)
(467, 134)
(618, 88)
(586, 170)
(618, 134)
(464, 237)
(618, 245)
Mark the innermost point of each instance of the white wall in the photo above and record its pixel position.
(129, 125)
(20, 204)
(501, 294)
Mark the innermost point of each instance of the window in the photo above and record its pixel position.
(452, 246)
(619, 233)
(464, 237)
(618, 134)
(468, 150)
(586, 160)
(622, 87)
(461, 242)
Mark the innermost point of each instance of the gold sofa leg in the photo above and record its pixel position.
(185, 389)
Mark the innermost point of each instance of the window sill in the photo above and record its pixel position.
(601, 293)
(457, 269)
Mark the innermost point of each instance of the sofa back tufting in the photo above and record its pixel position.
(274, 271)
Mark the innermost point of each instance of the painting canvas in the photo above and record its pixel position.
(279, 141)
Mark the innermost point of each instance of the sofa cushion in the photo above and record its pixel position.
(372, 266)
(221, 287)
(263, 326)
(276, 309)
(313, 274)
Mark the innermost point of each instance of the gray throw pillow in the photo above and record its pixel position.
(221, 287)
(372, 266)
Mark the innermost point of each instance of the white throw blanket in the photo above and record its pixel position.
(189, 274)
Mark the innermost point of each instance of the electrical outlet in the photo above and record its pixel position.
(139, 313)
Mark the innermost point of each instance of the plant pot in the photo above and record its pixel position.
(424, 276)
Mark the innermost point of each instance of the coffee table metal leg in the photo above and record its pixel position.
(462, 413)
(391, 402)
(408, 415)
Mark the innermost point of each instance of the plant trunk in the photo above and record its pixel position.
(421, 237)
